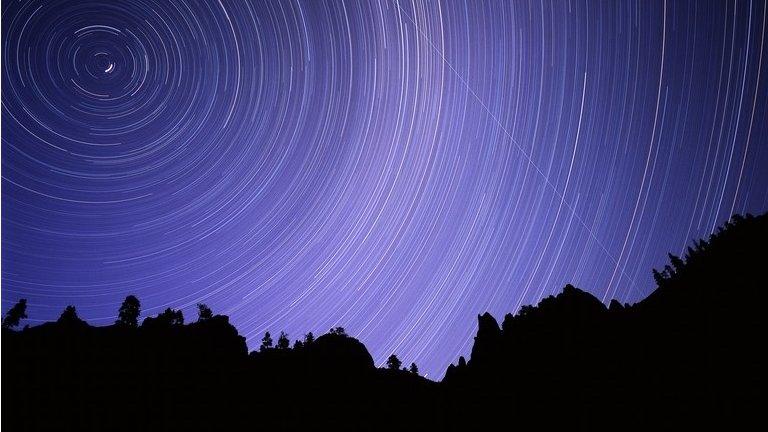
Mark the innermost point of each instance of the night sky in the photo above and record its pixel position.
(394, 168)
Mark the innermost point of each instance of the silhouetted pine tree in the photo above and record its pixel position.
(677, 263)
(15, 314)
(393, 363)
(283, 342)
(128, 314)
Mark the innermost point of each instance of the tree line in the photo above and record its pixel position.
(130, 310)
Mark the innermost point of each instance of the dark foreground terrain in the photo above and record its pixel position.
(690, 356)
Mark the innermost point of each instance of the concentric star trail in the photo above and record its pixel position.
(393, 167)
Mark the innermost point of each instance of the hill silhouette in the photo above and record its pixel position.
(688, 356)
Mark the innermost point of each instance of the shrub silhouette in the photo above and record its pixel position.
(266, 341)
(393, 363)
(15, 314)
(128, 314)
(69, 316)
(169, 318)
(413, 369)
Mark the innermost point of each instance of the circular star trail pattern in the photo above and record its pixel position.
(391, 167)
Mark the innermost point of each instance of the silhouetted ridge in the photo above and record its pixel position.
(690, 356)
(684, 357)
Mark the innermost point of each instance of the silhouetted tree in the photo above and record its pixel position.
(297, 345)
(658, 277)
(283, 342)
(677, 263)
(266, 342)
(203, 312)
(309, 338)
(393, 363)
(414, 369)
(15, 314)
(69, 315)
(171, 317)
(128, 314)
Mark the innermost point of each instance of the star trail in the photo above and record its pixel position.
(391, 167)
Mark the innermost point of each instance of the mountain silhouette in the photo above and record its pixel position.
(689, 356)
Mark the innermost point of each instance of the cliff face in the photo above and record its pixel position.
(487, 341)
(682, 357)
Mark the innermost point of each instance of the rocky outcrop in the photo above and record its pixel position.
(487, 341)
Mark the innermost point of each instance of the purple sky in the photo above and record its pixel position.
(389, 167)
